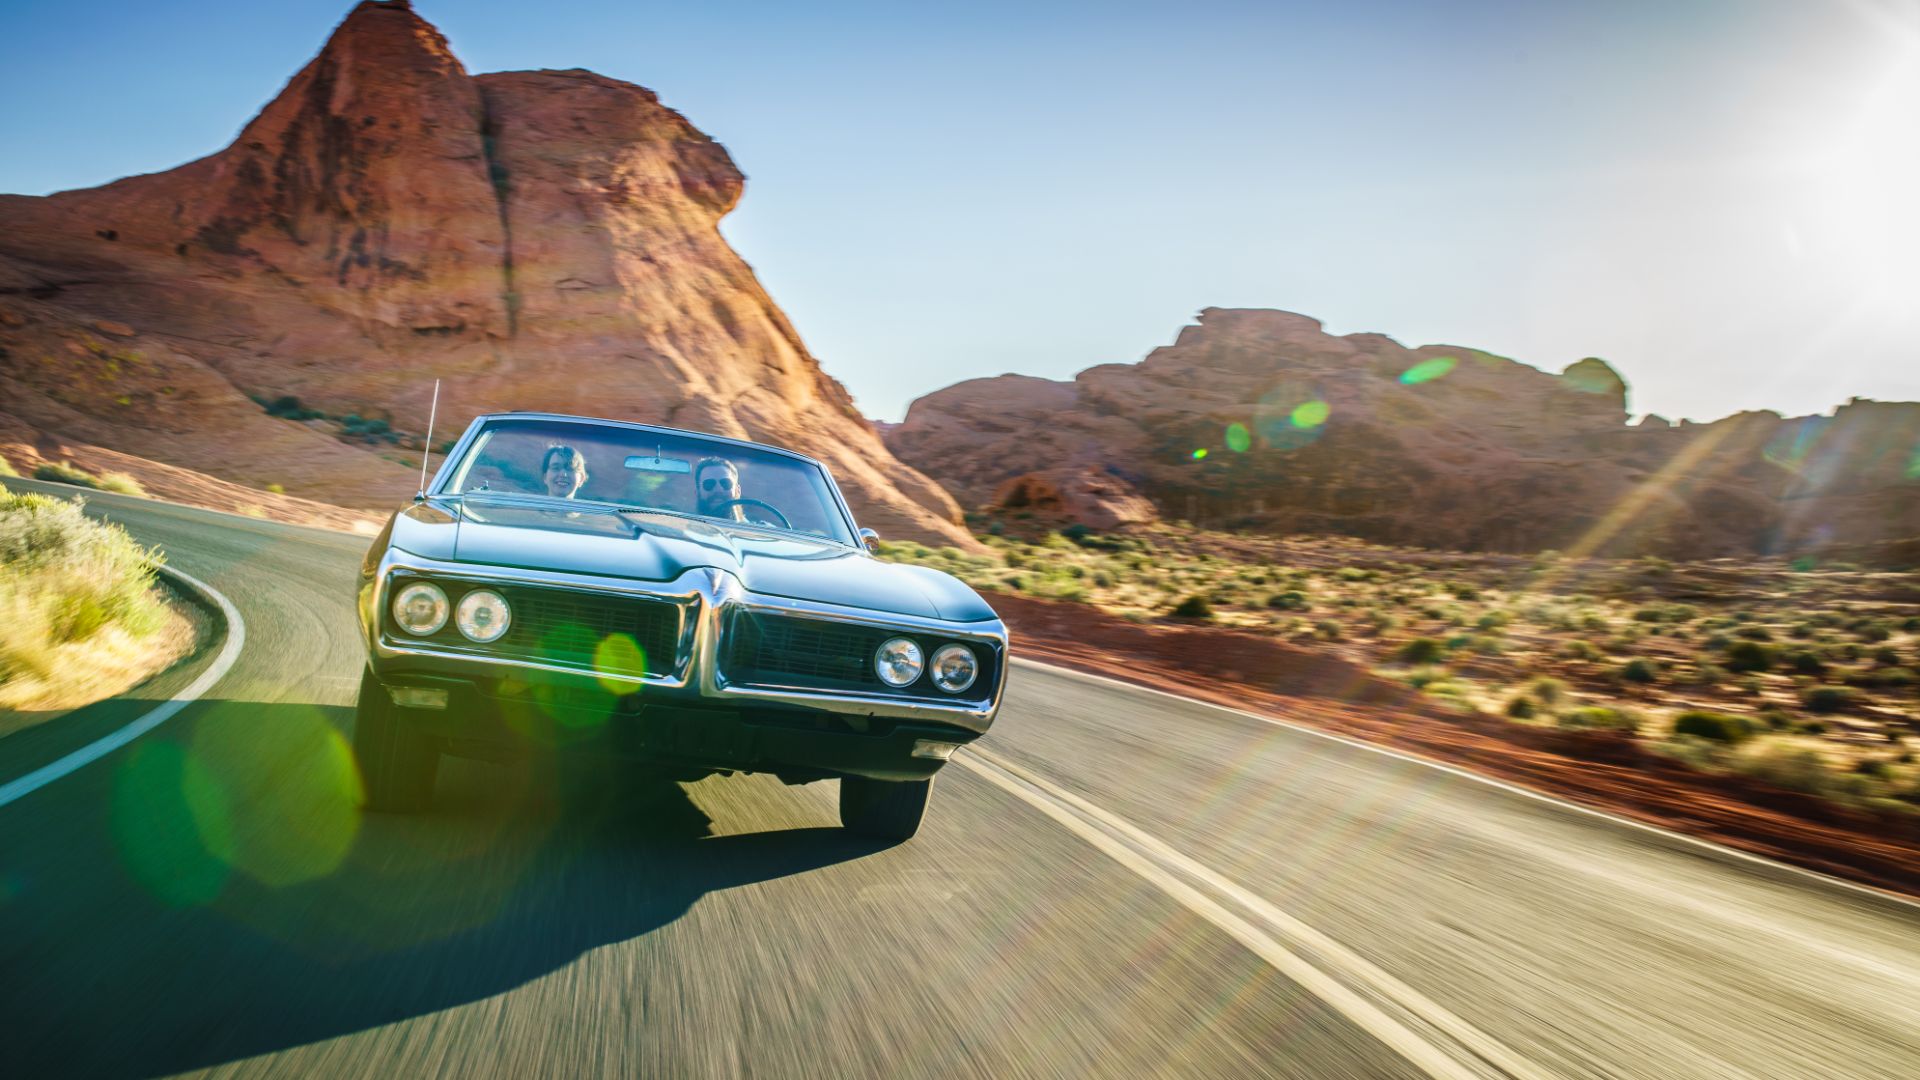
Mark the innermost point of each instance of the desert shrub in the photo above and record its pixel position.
(1801, 630)
(1748, 656)
(1578, 649)
(1788, 765)
(1889, 677)
(120, 483)
(1647, 614)
(1463, 591)
(1354, 573)
(1547, 691)
(1911, 624)
(1194, 607)
(1486, 645)
(1599, 718)
(1718, 727)
(66, 472)
(1288, 601)
(1424, 650)
(276, 489)
(1806, 662)
(289, 408)
(6, 468)
(1874, 632)
(1828, 699)
(64, 577)
(1755, 633)
(1877, 768)
(1521, 707)
(1492, 620)
(1886, 656)
(1327, 629)
(1638, 670)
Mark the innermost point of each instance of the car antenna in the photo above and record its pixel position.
(427, 450)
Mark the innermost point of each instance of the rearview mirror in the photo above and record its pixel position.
(871, 539)
(656, 463)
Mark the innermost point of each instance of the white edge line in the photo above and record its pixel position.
(1417, 1051)
(1705, 847)
(1331, 953)
(107, 744)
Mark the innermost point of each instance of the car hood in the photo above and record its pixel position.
(661, 547)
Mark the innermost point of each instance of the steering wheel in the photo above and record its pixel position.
(768, 507)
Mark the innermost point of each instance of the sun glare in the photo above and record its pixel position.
(1867, 180)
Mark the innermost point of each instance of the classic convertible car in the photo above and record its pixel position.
(698, 604)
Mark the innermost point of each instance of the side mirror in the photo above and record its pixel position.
(871, 539)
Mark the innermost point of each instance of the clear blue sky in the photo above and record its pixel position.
(1718, 196)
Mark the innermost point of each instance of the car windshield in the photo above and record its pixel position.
(649, 470)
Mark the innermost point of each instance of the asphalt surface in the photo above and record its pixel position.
(1119, 883)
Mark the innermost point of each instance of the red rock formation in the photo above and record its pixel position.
(1259, 419)
(539, 240)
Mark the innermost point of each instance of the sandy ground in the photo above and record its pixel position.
(25, 449)
(1603, 770)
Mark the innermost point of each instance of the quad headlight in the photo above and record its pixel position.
(483, 615)
(420, 608)
(898, 662)
(954, 668)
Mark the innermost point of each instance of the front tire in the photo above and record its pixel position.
(885, 809)
(397, 765)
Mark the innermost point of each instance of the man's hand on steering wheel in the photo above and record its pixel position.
(768, 507)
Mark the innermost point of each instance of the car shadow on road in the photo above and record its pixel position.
(211, 894)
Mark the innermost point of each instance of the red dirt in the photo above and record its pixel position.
(1607, 771)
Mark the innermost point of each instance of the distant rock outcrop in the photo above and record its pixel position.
(1261, 420)
(536, 239)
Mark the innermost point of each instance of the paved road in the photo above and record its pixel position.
(1118, 883)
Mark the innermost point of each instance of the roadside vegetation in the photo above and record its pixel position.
(80, 617)
(1801, 675)
(66, 472)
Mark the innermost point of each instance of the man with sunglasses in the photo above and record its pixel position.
(717, 487)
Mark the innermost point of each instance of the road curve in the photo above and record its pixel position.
(1119, 883)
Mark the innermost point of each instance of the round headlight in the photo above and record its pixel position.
(483, 615)
(420, 608)
(954, 668)
(898, 662)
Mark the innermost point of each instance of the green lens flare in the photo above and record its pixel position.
(1427, 370)
(159, 795)
(298, 828)
(1237, 438)
(1200, 453)
(618, 653)
(1309, 414)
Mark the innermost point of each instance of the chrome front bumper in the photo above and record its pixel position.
(707, 599)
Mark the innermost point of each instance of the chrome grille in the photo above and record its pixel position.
(566, 627)
(764, 647)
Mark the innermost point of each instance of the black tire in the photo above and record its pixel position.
(887, 809)
(396, 765)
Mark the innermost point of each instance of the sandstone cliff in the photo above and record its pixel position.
(539, 240)
(1261, 420)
